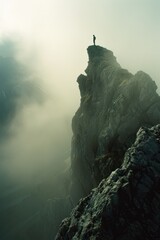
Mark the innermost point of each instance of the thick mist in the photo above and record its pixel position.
(35, 139)
(35, 129)
(42, 52)
(60, 31)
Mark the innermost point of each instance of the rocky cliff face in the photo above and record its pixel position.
(114, 105)
(126, 205)
(117, 168)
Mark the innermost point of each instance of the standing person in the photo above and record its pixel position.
(94, 40)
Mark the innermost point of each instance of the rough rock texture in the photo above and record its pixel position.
(126, 205)
(114, 105)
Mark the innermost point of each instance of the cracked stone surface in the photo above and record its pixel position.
(126, 205)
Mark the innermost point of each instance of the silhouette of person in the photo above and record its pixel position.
(94, 40)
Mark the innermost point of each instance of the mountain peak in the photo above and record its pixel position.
(97, 51)
(115, 104)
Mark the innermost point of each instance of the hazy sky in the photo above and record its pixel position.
(58, 32)
(52, 37)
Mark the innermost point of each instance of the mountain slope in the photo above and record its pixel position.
(114, 105)
(126, 205)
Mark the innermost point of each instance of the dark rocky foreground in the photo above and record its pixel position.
(126, 205)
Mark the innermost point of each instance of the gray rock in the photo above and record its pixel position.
(126, 205)
(114, 105)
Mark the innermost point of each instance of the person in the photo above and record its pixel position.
(94, 40)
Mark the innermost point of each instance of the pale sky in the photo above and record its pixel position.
(60, 31)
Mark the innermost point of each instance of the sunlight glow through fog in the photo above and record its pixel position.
(60, 31)
(52, 37)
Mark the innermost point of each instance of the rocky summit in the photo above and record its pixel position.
(114, 105)
(126, 205)
(115, 158)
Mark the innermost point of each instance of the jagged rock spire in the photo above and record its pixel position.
(114, 105)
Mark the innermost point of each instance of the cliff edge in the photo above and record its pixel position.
(114, 105)
(115, 154)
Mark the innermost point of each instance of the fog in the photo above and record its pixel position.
(42, 52)
(35, 139)
(60, 31)
(35, 127)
